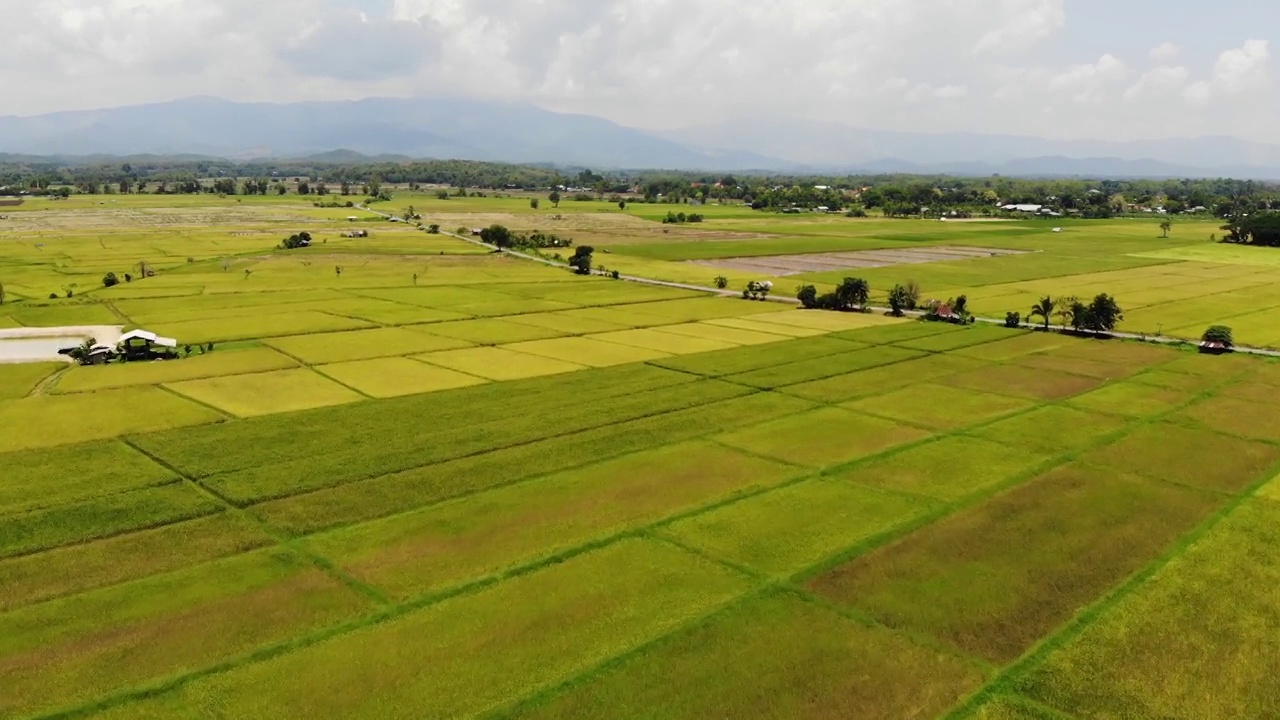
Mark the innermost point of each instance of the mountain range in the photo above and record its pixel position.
(452, 128)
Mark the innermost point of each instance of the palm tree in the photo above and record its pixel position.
(1044, 309)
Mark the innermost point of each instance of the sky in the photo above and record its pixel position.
(1053, 68)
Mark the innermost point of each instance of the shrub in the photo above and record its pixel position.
(53, 296)
(615, 275)
(722, 282)
(1220, 334)
(829, 301)
(899, 300)
(1013, 320)
(433, 229)
(808, 296)
(110, 280)
(913, 294)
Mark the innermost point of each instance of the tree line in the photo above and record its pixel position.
(892, 194)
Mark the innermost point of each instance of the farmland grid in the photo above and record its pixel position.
(571, 497)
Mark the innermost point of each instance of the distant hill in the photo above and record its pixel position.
(396, 130)
(419, 128)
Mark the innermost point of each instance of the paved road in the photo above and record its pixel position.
(792, 301)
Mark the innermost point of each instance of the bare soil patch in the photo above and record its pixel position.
(784, 265)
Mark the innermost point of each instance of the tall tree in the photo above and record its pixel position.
(498, 236)
(581, 260)
(853, 292)
(554, 197)
(1044, 310)
(1165, 227)
(1103, 314)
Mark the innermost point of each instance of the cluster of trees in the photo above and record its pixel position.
(1100, 315)
(503, 237)
(34, 175)
(111, 279)
(890, 193)
(850, 294)
(904, 297)
(1260, 228)
(295, 241)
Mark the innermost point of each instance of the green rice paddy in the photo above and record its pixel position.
(448, 483)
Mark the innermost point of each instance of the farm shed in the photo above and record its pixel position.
(142, 344)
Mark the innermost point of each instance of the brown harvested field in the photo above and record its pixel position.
(1026, 382)
(1196, 641)
(994, 579)
(1193, 457)
(784, 265)
(776, 657)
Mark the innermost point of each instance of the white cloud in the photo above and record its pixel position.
(1020, 24)
(1165, 52)
(1159, 82)
(1244, 68)
(951, 91)
(1090, 83)
(978, 65)
(1198, 93)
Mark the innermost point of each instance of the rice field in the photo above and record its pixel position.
(462, 485)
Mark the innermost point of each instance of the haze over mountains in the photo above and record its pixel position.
(479, 130)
